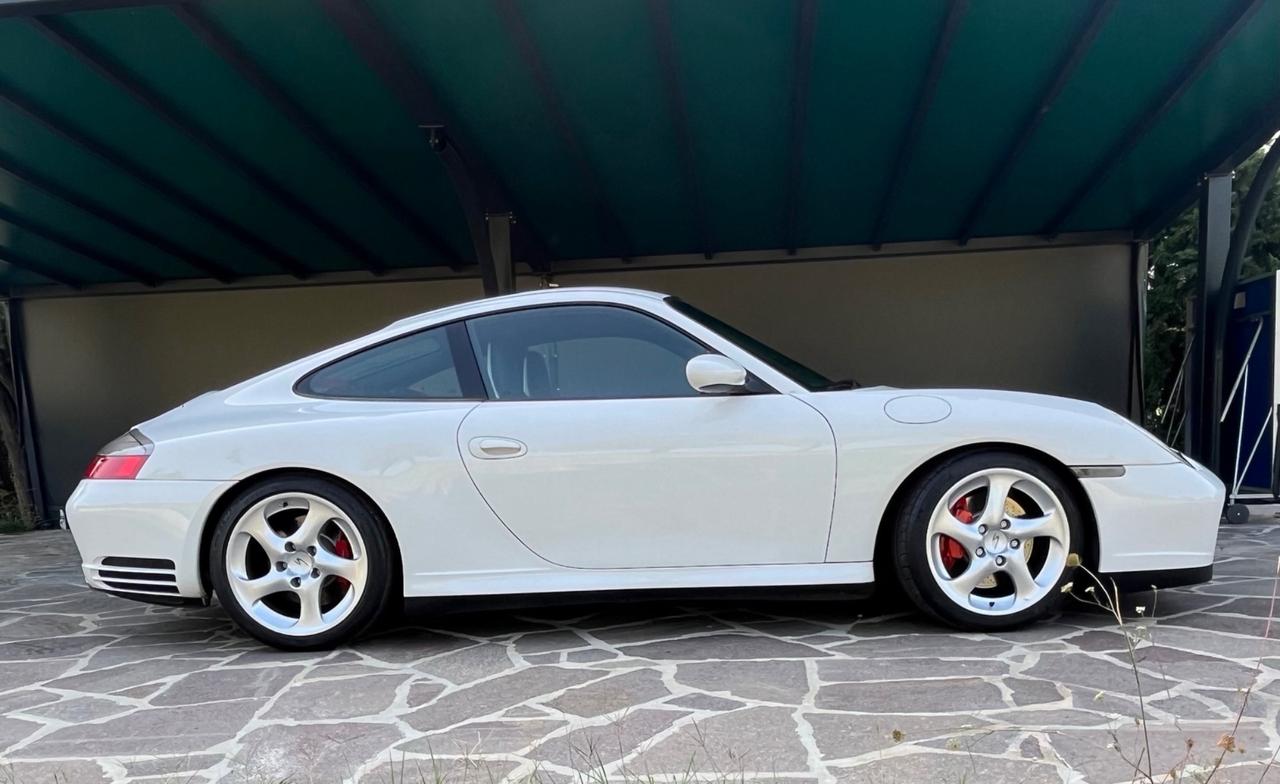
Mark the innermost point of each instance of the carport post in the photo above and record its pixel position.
(1138, 259)
(1204, 398)
(500, 250)
(26, 419)
(490, 229)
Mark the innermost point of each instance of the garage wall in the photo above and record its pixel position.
(1052, 320)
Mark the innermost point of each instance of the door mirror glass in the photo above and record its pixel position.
(713, 374)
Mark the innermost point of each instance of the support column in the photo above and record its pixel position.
(500, 251)
(1138, 328)
(45, 516)
(1203, 394)
(489, 226)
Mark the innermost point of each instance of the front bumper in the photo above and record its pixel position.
(1157, 518)
(141, 538)
(1159, 578)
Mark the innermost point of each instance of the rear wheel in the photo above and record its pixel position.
(983, 541)
(301, 563)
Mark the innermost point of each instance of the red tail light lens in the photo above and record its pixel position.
(115, 466)
(123, 458)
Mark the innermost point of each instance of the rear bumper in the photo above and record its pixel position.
(141, 538)
(1156, 518)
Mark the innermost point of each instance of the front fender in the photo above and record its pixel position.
(876, 454)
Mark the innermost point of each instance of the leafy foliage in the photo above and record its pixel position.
(1171, 282)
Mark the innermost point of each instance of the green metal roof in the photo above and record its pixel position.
(237, 138)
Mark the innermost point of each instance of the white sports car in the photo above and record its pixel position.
(586, 439)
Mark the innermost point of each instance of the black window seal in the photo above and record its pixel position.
(464, 361)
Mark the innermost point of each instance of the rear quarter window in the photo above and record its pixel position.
(420, 366)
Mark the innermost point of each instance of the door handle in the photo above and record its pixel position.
(490, 448)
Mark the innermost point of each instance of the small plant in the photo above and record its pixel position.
(1136, 634)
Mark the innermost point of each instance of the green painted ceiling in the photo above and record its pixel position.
(98, 186)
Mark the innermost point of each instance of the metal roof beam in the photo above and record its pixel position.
(212, 268)
(518, 29)
(924, 101)
(472, 201)
(118, 74)
(477, 185)
(806, 24)
(197, 19)
(1223, 156)
(1062, 74)
(664, 42)
(24, 262)
(1153, 114)
(122, 161)
(11, 8)
(59, 237)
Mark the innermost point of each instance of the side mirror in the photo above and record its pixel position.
(713, 374)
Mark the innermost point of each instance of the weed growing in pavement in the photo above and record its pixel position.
(1188, 767)
(590, 759)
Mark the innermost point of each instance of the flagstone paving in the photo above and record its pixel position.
(97, 689)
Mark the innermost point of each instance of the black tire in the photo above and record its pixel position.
(1237, 514)
(910, 535)
(372, 604)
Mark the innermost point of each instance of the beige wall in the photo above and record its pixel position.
(1052, 320)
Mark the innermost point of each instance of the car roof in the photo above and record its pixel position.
(557, 294)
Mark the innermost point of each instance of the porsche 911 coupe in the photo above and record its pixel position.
(592, 439)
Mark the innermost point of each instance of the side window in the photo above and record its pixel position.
(417, 366)
(581, 351)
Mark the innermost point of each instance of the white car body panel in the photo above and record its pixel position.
(1156, 518)
(600, 487)
(877, 454)
(712, 491)
(154, 522)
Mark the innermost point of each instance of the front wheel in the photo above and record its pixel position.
(301, 563)
(983, 542)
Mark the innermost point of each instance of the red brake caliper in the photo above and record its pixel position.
(342, 549)
(953, 551)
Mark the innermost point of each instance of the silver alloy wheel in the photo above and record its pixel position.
(296, 563)
(1019, 530)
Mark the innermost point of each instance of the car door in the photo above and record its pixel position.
(595, 452)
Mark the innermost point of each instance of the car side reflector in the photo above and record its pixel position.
(1098, 471)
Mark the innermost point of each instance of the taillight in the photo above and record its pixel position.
(121, 459)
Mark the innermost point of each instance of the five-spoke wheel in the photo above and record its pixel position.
(300, 564)
(984, 540)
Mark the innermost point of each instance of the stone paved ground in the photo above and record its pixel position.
(94, 688)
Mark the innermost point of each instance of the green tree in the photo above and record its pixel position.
(1171, 280)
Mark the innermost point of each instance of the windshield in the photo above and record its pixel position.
(806, 377)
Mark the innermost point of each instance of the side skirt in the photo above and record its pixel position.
(734, 597)
(558, 580)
